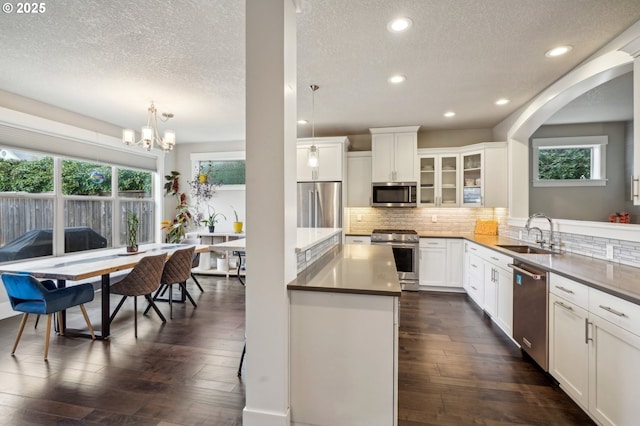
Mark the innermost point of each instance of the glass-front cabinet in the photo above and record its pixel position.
(439, 180)
(472, 181)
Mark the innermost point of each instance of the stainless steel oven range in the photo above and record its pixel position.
(405, 244)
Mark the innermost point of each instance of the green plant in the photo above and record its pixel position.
(176, 228)
(132, 229)
(235, 213)
(213, 218)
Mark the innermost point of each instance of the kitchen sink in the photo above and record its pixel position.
(525, 249)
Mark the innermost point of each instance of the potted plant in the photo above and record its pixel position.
(237, 225)
(212, 220)
(132, 232)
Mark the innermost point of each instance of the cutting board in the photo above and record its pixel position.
(486, 227)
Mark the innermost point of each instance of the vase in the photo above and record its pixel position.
(132, 249)
(212, 229)
(237, 227)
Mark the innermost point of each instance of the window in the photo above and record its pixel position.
(226, 169)
(569, 161)
(34, 187)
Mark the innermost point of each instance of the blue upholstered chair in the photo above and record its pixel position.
(30, 296)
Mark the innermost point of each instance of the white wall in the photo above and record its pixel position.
(223, 198)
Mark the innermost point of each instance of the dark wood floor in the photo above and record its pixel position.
(180, 373)
(455, 368)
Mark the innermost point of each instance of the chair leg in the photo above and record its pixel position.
(159, 293)
(170, 286)
(186, 292)
(37, 320)
(155, 307)
(20, 330)
(59, 315)
(86, 318)
(115, 311)
(195, 280)
(47, 336)
(135, 315)
(244, 350)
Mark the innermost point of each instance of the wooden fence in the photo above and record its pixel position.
(19, 215)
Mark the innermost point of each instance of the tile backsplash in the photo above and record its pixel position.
(362, 220)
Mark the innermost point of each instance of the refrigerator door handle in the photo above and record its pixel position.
(311, 208)
(316, 202)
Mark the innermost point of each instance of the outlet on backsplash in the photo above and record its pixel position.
(609, 251)
(434, 218)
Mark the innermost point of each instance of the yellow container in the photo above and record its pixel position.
(237, 227)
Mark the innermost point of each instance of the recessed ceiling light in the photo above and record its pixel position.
(400, 24)
(395, 79)
(502, 101)
(558, 51)
(449, 114)
(303, 122)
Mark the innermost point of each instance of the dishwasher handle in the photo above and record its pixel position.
(530, 274)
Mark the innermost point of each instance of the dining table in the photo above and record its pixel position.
(87, 266)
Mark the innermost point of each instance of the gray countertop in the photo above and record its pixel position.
(356, 269)
(614, 278)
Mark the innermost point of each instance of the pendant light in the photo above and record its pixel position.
(312, 158)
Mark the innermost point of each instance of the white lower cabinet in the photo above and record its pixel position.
(441, 264)
(614, 374)
(593, 352)
(489, 282)
(568, 350)
(433, 258)
(475, 278)
(504, 316)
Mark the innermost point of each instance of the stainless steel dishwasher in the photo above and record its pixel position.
(531, 312)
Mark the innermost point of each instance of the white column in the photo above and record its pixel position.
(271, 207)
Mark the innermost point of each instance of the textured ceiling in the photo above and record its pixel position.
(109, 59)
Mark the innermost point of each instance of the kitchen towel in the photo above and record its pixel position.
(486, 227)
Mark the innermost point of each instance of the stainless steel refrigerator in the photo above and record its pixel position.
(320, 204)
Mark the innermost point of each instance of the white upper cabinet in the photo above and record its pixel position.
(331, 159)
(484, 175)
(394, 155)
(468, 176)
(439, 179)
(359, 179)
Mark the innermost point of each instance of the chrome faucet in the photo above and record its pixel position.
(542, 242)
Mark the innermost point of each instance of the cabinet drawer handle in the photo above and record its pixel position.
(473, 266)
(564, 306)
(472, 248)
(586, 331)
(495, 258)
(613, 311)
(566, 290)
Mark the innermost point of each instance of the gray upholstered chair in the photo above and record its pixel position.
(195, 260)
(143, 280)
(176, 271)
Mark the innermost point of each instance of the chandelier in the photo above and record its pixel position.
(149, 134)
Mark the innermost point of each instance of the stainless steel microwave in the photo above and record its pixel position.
(394, 194)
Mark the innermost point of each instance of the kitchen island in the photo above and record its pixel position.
(344, 338)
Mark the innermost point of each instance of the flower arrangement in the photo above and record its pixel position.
(623, 217)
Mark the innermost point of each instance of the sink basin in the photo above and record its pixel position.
(525, 249)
